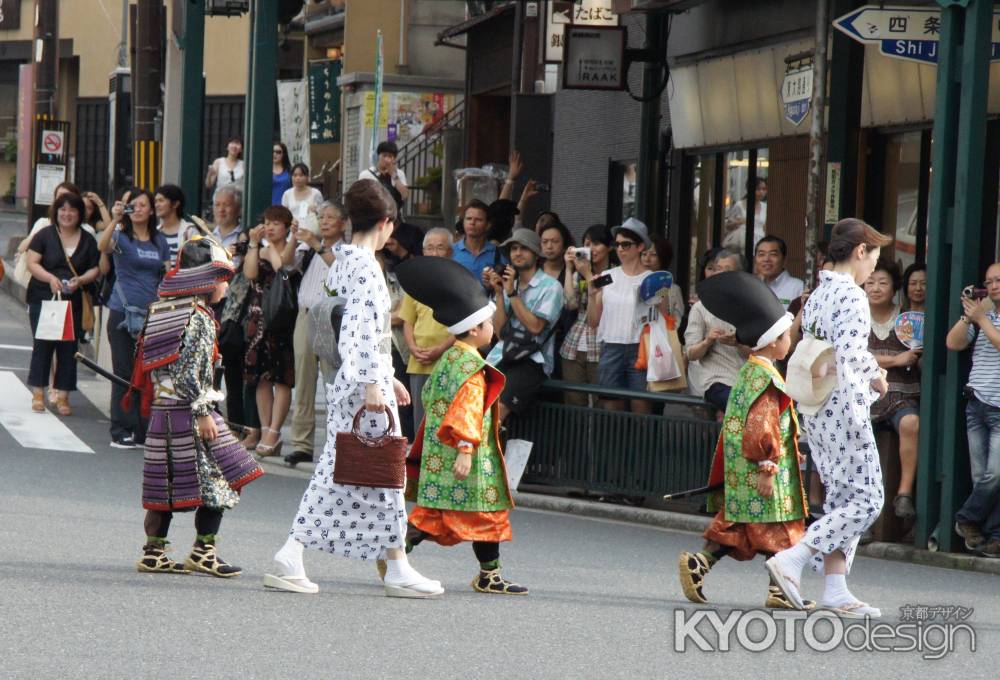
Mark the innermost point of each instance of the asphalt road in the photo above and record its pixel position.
(604, 595)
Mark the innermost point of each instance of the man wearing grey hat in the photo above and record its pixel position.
(532, 301)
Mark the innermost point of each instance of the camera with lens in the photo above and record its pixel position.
(973, 293)
(582, 253)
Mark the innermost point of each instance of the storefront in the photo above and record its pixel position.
(732, 136)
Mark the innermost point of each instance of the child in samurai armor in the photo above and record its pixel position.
(757, 457)
(192, 460)
(462, 492)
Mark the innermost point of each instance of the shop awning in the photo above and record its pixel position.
(469, 24)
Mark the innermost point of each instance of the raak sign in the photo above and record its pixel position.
(904, 32)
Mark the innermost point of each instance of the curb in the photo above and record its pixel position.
(896, 552)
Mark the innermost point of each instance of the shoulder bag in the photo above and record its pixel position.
(279, 304)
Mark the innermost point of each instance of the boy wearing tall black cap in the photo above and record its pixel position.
(757, 457)
(462, 491)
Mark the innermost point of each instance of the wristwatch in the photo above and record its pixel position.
(964, 319)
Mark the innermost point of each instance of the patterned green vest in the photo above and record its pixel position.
(743, 503)
(485, 489)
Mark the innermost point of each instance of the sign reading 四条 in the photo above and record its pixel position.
(904, 32)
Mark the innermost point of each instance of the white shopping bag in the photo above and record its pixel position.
(55, 321)
(516, 459)
(660, 361)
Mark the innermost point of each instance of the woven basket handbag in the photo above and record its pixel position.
(378, 462)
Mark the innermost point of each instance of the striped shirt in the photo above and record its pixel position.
(984, 379)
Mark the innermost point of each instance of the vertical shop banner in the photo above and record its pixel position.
(796, 93)
(561, 14)
(10, 15)
(293, 106)
(324, 101)
(379, 66)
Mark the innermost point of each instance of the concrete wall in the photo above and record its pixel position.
(590, 129)
(427, 19)
(364, 18)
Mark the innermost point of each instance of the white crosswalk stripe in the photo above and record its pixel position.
(33, 430)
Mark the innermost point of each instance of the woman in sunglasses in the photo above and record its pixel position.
(227, 169)
(615, 311)
(281, 172)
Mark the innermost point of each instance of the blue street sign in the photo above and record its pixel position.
(904, 32)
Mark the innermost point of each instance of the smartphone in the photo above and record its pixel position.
(128, 209)
(601, 281)
(973, 293)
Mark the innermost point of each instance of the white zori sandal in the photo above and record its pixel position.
(787, 584)
(292, 574)
(855, 610)
(416, 587)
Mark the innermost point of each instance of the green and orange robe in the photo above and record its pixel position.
(759, 425)
(461, 402)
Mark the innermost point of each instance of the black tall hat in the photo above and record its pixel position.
(746, 302)
(449, 289)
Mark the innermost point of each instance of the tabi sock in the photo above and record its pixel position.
(399, 572)
(289, 560)
(794, 559)
(836, 593)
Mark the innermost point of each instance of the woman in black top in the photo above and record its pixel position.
(60, 252)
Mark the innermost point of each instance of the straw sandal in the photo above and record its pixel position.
(692, 569)
(492, 582)
(155, 561)
(203, 559)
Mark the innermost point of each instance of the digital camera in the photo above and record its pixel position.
(582, 253)
(973, 293)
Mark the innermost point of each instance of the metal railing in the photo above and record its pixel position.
(618, 452)
(422, 161)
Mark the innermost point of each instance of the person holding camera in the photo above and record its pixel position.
(618, 315)
(580, 352)
(141, 255)
(388, 174)
(978, 520)
(532, 302)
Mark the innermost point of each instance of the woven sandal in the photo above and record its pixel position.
(155, 561)
(492, 582)
(203, 559)
(778, 600)
(692, 569)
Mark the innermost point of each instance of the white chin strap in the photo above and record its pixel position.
(775, 331)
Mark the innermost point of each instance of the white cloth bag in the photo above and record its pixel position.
(515, 458)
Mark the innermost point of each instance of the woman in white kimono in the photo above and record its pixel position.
(840, 434)
(355, 521)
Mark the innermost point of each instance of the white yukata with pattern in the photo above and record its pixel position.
(840, 434)
(354, 521)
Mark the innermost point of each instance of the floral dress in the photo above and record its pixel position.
(355, 521)
(269, 355)
(840, 434)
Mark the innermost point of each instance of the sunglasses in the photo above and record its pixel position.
(624, 245)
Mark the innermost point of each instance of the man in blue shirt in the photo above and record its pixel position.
(475, 252)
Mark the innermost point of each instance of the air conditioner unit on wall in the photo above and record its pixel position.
(226, 8)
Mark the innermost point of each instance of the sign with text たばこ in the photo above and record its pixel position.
(904, 32)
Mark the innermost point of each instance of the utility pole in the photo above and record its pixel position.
(816, 137)
(147, 76)
(261, 100)
(648, 195)
(46, 55)
(192, 104)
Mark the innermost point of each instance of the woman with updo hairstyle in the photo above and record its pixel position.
(368, 523)
(840, 433)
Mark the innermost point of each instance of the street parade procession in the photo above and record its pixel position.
(699, 301)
